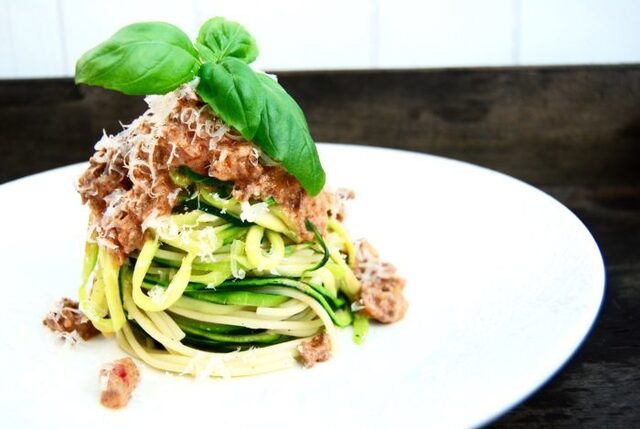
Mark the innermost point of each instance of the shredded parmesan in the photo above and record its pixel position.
(216, 136)
(69, 338)
(194, 83)
(265, 159)
(106, 142)
(142, 155)
(104, 376)
(157, 294)
(252, 212)
(357, 306)
(151, 219)
(193, 363)
(161, 106)
(172, 196)
(369, 263)
(115, 202)
(106, 242)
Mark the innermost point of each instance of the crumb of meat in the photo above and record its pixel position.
(317, 349)
(67, 319)
(128, 180)
(381, 295)
(338, 200)
(117, 381)
(235, 161)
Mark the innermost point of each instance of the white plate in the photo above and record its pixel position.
(503, 284)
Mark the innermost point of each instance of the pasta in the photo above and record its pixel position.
(204, 295)
(214, 247)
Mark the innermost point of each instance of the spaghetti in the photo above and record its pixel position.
(214, 248)
(208, 295)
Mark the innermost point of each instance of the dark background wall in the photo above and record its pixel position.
(544, 125)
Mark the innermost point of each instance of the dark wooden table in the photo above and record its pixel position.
(573, 132)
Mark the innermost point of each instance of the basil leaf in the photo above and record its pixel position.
(284, 135)
(234, 92)
(219, 38)
(140, 59)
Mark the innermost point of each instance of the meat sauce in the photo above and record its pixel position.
(315, 350)
(118, 379)
(381, 287)
(128, 177)
(66, 318)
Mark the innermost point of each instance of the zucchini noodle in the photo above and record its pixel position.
(255, 252)
(217, 251)
(211, 296)
(218, 292)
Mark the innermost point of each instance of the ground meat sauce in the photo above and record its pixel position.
(315, 350)
(128, 179)
(66, 318)
(127, 184)
(117, 381)
(235, 161)
(338, 200)
(381, 288)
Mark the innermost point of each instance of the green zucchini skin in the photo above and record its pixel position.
(212, 346)
(183, 177)
(198, 204)
(241, 297)
(224, 337)
(263, 338)
(212, 328)
(335, 307)
(250, 291)
(325, 257)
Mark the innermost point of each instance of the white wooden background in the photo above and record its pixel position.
(40, 38)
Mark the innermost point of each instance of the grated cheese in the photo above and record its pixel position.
(357, 306)
(152, 219)
(106, 242)
(157, 294)
(370, 267)
(265, 159)
(160, 107)
(115, 204)
(252, 212)
(194, 83)
(104, 376)
(69, 339)
(143, 152)
(173, 195)
(216, 136)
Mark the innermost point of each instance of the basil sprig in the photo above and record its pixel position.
(283, 120)
(140, 59)
(219, 38)
(156, 58)
(233, 90)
